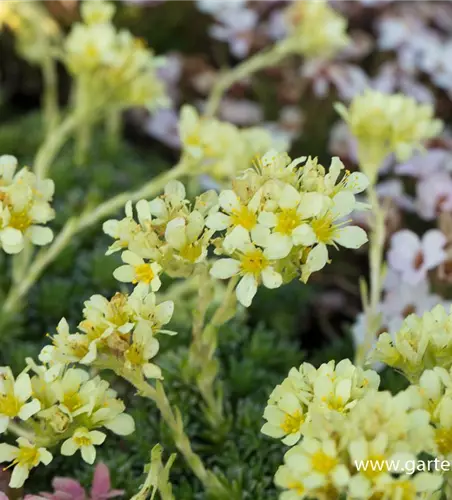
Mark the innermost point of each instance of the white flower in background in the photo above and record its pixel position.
(24, 458)
(434, 195)
(215, 6)
(315, 29)
(24, 207)
(253, 267)
(139, 272)
(412, 257)
(15, 398)
(236, 26)
(89, 47)
(97, 12)
(83, 440)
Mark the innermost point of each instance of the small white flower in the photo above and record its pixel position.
(83, 440)
(15, 398)
(253, 267)
(139, 272)
(25, 457)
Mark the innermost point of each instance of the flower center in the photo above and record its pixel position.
(297, 486)
(323, 229)
(9, 405)
(288, 220)
(82, 441)
(254, 262)
(79, 348)
(418, 260)
(376, 465)
(292, 423)
(20, 220)
(244, 217)
(134, 355)
(443, 438)
(323, 463)
(191, 252)
(27, 456)
(144, 273)
(72, 400)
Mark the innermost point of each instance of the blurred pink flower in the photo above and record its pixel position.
(288, 127)
(348, 79)
(434, 195)
(236, 27)
(240, 112)
(163, 125)
(412, 257)
(214, 7)
(426, 164)
(391, 78)
(70, 489)
(405, 299)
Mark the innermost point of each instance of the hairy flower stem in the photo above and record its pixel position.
(20, 431)
(76, 225)
(263, 59)
(202, 360)
(53, 144)
(50, 96)
(370, 303)
(173, 419)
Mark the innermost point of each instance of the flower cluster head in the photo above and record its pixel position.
(220, 148)
(279, 218)
(68, 408)
(421, 343)
(273, 225)
(111, 63)
(388, 124)
(24, 207)
(123, 329)
(329, 388)
(315, 29)
(37, 33)
(344, 434)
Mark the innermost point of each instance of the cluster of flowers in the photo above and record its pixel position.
(421, 342)
(312, 29)
(24, 207)
(350, 439)
(67, 407)
(273, 225)
(37, 33)
(112, 63)
(220, 148)
(383, 124)
(122, 329)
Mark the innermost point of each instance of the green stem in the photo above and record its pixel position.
(20, 431)
(53, 144)
(113, 129)
(78, 224)
(264, 59)
(376, 250)
(50, 96)
(174, 422)
(203, 348)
